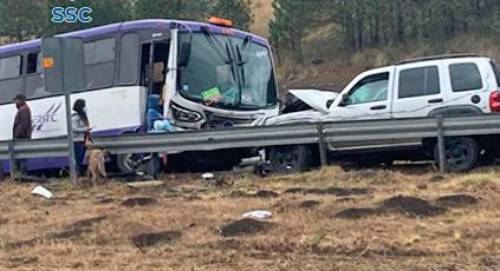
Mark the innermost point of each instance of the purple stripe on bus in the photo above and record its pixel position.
(61, 162)
(128, 26)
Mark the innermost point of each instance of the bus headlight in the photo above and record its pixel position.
(185, 115)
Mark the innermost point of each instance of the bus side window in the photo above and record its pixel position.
(11, 81)
(129, 59)
(100, 63)
(35, 87)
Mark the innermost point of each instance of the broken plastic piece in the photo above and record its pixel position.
(261, 214)
(42, 191)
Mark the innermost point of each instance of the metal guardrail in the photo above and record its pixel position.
(335, 135)
(230, 138)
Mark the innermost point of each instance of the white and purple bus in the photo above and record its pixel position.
(186, 63)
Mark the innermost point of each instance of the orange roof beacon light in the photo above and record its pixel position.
(48, 62)
(220, 21)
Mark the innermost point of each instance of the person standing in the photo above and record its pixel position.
(81, 132)
(22, 128)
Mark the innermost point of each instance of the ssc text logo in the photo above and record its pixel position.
(71, 15)
(39, 121)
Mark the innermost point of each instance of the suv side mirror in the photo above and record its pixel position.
(329, 103)
(185, 55)
(343, 99)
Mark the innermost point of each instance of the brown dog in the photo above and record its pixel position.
(96, 168)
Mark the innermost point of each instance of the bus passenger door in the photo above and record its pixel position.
(154, 61)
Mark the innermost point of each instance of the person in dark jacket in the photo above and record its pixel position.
(81, 132)
(22, 127)
(22, 122)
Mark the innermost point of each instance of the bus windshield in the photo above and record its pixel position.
(227, 72)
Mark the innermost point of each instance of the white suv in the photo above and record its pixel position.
(425, 87)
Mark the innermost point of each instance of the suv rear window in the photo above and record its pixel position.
(418, 82)
(496, 71)
(465, 77)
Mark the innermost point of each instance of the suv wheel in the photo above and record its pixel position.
(293, 158)
(461, 154)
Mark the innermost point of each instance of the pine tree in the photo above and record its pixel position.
(236, 10)
(22, 19)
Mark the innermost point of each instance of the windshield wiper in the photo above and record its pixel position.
(228, 52)
(242, 60)
(217, 47)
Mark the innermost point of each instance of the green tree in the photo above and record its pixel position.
(171, 9)
(291, 19)
(236, 10)
(22, 19)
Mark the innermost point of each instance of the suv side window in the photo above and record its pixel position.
(370, 89)
(465, 77)
(416, 82)
(496, 71)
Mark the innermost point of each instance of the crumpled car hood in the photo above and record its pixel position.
(316, 99)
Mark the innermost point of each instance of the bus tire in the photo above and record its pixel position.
(127, 163)
(462, 154)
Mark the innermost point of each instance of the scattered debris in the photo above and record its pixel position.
(356, 213)
(257, 214)
(145, 184)
(42, 191)
(132, 202)
(411, 206)
(156, 238)
(207, 176)
(266, 194)
(308, 204)
(244, 227)
(460, 200)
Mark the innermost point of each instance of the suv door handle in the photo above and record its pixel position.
(378, 107)
(435, 101)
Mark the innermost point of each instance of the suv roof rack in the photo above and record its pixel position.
(435, 57)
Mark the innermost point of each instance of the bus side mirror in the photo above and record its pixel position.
(185, 54)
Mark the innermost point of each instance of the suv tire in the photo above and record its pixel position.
(461, 154)
(291, 158)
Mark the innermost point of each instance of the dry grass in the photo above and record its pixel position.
(39, 234)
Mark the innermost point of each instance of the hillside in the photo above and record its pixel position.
(326, 66)
(262, 11)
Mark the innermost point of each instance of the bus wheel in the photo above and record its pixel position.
(293, 158)
(131, 163)
(461, 154)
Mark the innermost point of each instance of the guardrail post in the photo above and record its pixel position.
(322, 145)
(12, 161)
(441, 145)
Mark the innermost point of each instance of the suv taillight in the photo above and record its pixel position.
(495, 101)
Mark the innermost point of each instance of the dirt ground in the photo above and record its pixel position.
(329, 219)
